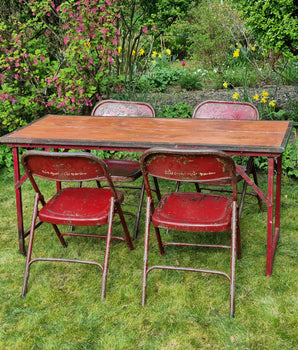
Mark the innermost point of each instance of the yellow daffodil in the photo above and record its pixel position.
(256, 97)
(142, 51)
(119, 49)
(235, 96)
(160, 56)
(272, 103)
(225, 85)
(133, 52)
(154, 53)
(253, 48)
(168, 51)
(265, 93)
(236, 53)
(263, 100)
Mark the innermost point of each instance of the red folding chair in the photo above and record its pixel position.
(237, 111)
(73, 206)
(191, 212)
(124, 171)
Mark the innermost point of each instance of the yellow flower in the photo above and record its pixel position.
(253, 48)
(235, 96)
(154, 54)
(263, 100)
(153, 62)
(87, 44)
(272, 103)
(168, 51)
(119, 49)
(231, 46)
(160, 56)
(256, 97)
(265, 93)
(225, 85)
(236, 53)
(142, 51)
(133, 52)
(237, 44)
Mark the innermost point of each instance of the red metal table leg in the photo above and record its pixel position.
(274, 233)
(18, 190)
(273, 222)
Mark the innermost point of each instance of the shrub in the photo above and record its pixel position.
(160, 78)
(55, 57)
(177, 110)
(190, 81)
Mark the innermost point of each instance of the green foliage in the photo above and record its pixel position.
(273, 23)
(177, 110)
(6, 158)
(140, 24)
(190, 81)
(160, 78)
(55, 57)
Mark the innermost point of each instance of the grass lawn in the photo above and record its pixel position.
(62, 309)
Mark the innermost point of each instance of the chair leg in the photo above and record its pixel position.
(30, 245)
(243, 193)
(157, 188)
(254, 174)
(107, 252)
(61, 239)
(233, 260)
(146, 249)
(127, 235)
(135, 233)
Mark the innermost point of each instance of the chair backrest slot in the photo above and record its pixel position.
(58, 166)
(114, 108)
(226, 110)
(188, 165)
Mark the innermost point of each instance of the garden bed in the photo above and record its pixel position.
(285, 95)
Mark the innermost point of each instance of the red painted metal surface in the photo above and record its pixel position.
(114, 108)
(126, 171)
(191, 212)
(236, 111)
(226, 110)
(73, 206)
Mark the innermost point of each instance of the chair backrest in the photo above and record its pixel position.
(226, 110)
(187, 165)
(114, 108)
(64, 166)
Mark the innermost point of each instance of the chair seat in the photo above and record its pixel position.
(79, 207)
(193, 212)
(123, 170)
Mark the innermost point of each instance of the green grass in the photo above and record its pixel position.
(62, 309)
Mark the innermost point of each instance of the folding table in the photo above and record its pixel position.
(236, 137)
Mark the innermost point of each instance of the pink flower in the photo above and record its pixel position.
(145, 30)
(66, 40)
(154, 27)
(183, 63)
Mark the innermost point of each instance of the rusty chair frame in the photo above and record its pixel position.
(191, 211)
(124, 171)
(83, 206)
(237, 111)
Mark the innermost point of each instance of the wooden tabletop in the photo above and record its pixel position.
(143, 133)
